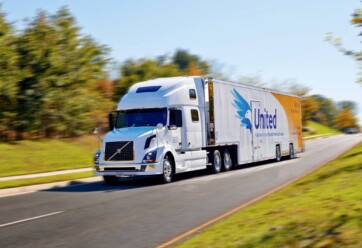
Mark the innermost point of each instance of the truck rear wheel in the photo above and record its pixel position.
(278, 154)
(291, 151)
(110, 180)
(227, 162)
(216, 162)
(168, 170)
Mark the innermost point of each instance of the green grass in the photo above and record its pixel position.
(27, 157)
(323, 209)
(40, 180)
(319, 129)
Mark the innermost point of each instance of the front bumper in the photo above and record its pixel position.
(128, 170)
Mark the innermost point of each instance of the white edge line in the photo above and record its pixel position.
(29, 219)
(20, 193)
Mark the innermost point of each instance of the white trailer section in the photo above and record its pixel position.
(172, 125)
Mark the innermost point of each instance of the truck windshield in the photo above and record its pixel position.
(141, 117)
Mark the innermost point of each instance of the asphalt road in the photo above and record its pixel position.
(142, 213)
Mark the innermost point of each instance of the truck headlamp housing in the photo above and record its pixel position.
(150, 157)
(97, 155)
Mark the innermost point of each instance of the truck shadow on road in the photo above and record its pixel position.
(124, 183)
(141, 182)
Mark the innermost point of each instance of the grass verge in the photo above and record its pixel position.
(28, 157)
(324, 209)
(41, 180)
(319, 129)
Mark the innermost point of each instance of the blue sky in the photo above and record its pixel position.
(277, 40)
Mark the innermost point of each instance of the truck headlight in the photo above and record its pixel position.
(97, 155)
(150, 157)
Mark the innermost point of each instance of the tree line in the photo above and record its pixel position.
(54, 82)
(340, 115)
(53, 78)
(47, 76)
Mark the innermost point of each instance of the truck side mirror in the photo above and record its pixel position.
(159, 126)
(110, 121)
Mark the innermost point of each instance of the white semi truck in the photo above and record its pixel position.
(167, 126)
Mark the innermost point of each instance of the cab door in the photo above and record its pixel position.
(192, 143)
(175, 128)
(192, 133)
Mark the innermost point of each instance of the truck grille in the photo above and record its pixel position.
(112, 151)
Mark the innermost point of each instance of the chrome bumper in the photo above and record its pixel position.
(128, 170)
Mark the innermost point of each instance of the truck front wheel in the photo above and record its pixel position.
(110, 180)
(167, 170)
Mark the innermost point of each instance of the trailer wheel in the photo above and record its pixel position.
(278, 154)
(216, 162)
(167, 170)
(110, 180)
(291, 151)
(227, 162)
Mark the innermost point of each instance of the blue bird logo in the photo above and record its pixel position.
(242, 108)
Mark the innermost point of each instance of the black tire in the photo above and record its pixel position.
(168, 170)
(110, 180)
(291, 151)
(216, 162)
(278, 154)
(226, 160)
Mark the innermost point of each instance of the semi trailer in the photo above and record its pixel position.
(166, 126)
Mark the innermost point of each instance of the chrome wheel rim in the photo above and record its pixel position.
(227, 161)
(278, 153)
(291, 151)
(167, 169)
(217, 162)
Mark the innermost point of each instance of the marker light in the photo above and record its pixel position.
(97, 155)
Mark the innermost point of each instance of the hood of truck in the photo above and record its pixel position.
(128, 134)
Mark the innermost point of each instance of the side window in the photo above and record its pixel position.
(175, 118)
(192, 94)
(194, 115)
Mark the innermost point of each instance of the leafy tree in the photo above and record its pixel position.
(327, 107)
(217, 70)
(184, 60)
(297, 89)
(61, 69)
(345, 119)
(292, 87)
(9, 77)
(254, 80)
(348, 104)
(141, 70)
(105, 87)
(193, 70)
(337, 41)
(181, 63)
(321, 117)
(309, 107)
